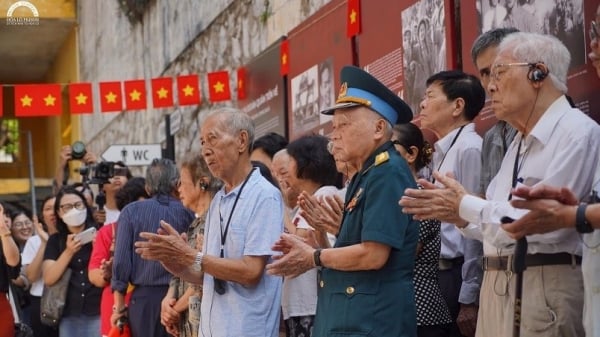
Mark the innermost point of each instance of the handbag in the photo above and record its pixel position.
(21, 329)
(53, 300)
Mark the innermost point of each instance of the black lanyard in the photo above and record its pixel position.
(515, 173)
(451, 144)
(237, 197)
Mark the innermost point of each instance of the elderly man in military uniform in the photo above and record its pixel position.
(366, 279)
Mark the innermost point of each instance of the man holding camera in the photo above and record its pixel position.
(106, 211)
(110, 212)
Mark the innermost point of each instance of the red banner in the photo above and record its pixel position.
(38, 100)
(135, 95)
(162, 92)
(241, 83)
(218, 86)
(80, 98)
(285, 57)
(110, 97)
(353, 18)
(187, 90)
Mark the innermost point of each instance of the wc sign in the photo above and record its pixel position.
(133, 155)
(26, 14)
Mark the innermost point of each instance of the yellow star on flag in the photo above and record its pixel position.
(353, 15)
(219, 87)
(26, 101)
(162, 92)
(284, 59)
(240, 84)
(111, 97)
(81, 99)
(49, 100)
(135, 95)
(188, 90)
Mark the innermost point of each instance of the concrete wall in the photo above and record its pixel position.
(175, 37)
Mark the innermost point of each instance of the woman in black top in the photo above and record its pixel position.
(9, 268)
(81, 316)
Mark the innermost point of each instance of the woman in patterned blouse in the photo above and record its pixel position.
(433, 316)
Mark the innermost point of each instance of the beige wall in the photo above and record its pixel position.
(176, 37)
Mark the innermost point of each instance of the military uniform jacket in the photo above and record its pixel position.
(373, 302)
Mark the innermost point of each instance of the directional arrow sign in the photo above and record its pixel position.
(133, 155)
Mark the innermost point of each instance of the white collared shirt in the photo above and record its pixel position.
(463, 160)
(562, 149)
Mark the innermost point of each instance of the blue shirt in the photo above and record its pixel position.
(144, 216)
(256, 223)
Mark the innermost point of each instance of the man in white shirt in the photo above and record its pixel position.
(527, 87)
(563, 210)
(452, 100)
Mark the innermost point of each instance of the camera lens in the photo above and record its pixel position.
(219, 286)
(78, 150)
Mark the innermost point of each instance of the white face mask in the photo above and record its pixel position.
(75, 217)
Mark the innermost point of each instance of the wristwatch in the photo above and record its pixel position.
(198, 261)
(581, 223)
(317, 257)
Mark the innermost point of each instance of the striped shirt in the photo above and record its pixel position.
(144, 216)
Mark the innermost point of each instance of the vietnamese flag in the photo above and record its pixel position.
(241, 83)
(135, 95)
(284, 52)
(187, 90)
(110, 97)
(33, 100)
(80, 98)
(353, 18)
(162, 92)
(218, 86)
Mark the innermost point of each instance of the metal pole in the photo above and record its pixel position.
(31, 173)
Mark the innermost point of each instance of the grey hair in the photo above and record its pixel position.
(161, 177)
(198, 168)
(491, 38)
(375, 117)
(534, 48)
(234, 121)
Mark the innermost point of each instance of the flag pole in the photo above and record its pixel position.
(31, 173)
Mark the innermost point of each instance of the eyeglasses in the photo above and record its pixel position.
(77, 205)
(22, 224)
(397, 142)
(501, 68)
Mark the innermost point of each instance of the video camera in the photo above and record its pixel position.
(99, 173)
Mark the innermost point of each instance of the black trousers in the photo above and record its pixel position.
(444, 330)
(450, 283)
(144, 312)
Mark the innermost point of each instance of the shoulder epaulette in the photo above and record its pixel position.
(381, 158)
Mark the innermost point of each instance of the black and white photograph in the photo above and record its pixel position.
(424, 45)
(326, 88)
(305, 100)
(561, 18)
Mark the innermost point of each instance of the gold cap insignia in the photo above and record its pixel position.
(343, 90)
